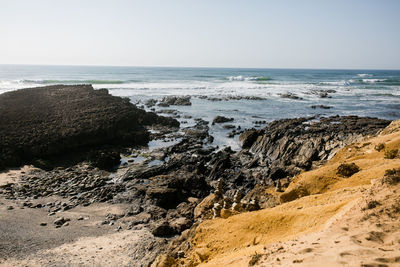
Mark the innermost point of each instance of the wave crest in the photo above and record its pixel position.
(249, 78)
(77, 81)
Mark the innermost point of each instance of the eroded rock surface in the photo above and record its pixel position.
(288, 146)
(52, 120)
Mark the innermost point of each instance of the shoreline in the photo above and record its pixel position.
(166, 192)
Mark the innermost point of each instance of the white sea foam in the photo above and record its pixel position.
(339, 83)
(364, 75)
(373, 80)
(247, 78)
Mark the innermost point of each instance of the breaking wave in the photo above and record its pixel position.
(245, 78)
(78, 81)
(364, 75)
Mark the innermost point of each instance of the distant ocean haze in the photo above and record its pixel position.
(285, 93)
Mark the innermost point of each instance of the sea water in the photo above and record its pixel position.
(373, 93)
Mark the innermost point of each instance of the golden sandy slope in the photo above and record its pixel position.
(314, 202)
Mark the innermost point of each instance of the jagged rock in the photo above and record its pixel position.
(285, 147)
(175, 101)
(248, 138)
(150, 103)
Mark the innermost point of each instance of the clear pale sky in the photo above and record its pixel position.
(204, 33)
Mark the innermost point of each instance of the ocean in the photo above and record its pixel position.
(285, 93)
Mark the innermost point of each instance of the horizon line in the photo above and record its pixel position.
(192, 67)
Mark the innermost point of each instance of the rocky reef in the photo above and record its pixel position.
(43, 122)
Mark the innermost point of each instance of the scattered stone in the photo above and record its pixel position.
(43, 224)
(229, 126)
(320, 106)
(222, 119)
(10, 207)
(60, 221)
(290, 96)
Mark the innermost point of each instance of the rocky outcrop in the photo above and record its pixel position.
(285, 147)
(53, 120)
(175, 101)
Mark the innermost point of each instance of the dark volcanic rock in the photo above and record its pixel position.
(222, 119)
(320, 106)
(288, 146)
(175, 101)
(163, 229)
(290, 96)
(248, 138)
(52, 120)
(105, 159)
(168, 191)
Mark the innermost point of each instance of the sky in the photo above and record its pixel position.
(338, 34)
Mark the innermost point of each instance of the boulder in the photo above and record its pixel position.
(180, 224)
(222, 119)
(164, 197)
(205, 206)
(163, 229)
